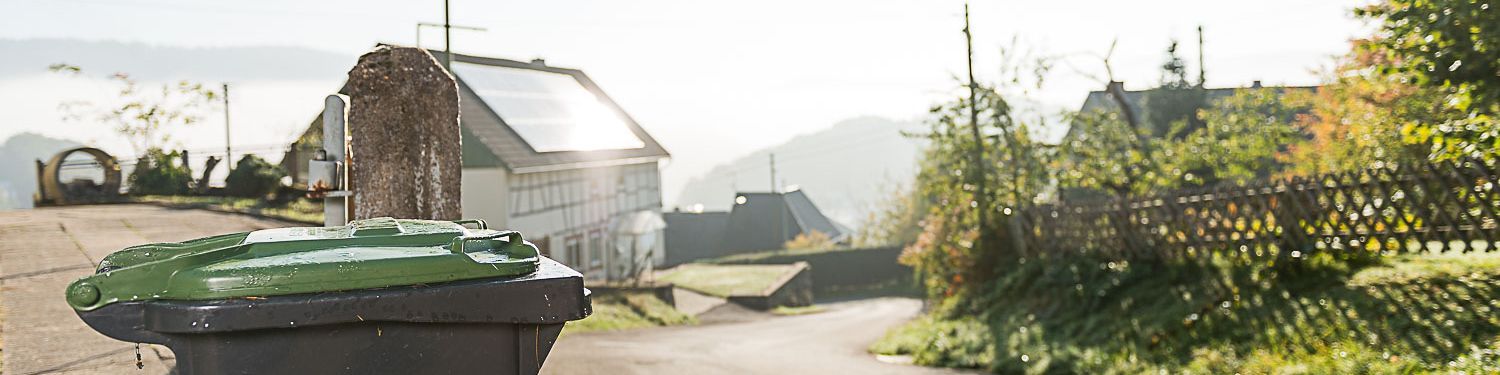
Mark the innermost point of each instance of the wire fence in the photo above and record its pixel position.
(1420, 207)
(269, 152)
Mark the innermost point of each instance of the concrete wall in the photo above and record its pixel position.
(794, 290)
(485, 196)
(662, 291)
(846, 269)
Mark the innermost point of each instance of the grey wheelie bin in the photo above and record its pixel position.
(378, 296)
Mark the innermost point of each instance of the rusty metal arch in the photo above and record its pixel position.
(52, 189)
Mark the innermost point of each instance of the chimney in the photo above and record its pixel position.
(1255, 84)
(539, 62)
(1115, 86)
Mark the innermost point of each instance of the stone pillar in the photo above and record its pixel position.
(404, 154)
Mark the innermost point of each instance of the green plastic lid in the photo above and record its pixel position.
(365, 254)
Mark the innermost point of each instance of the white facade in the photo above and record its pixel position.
(602, 221)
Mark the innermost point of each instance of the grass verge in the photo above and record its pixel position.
(801, 310)
(1403, 314)
(753, 257)
(619, 310)
(726, 280)
(298, 210)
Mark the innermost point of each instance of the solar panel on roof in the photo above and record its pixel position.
(550, 111)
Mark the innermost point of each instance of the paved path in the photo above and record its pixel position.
(830, 342)
(694, 303)
(43, 250)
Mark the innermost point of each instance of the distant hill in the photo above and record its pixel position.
(149, 62)
(18, 157)
(845, 169)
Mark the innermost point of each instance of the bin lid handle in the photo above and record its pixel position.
(476, 222)
(512, 237)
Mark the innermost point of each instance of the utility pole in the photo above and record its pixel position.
(421, 25)
(228, 151)
(773, 173)
(1201, 78)
(978, 155)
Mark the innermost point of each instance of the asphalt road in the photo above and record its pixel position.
(829, 342)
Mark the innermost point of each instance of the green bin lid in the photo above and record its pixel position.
(365, 254)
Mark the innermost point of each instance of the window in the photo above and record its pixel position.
(574, 248)
(596, 249)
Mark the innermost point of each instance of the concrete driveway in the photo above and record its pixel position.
(43, 250)
(830, 342)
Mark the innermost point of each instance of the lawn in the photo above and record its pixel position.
(299, 210)
(754, 257)
(627, 310)
(1403, 314)
(726, 280)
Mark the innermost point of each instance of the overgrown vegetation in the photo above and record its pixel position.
(1422, 89)
(160, 173)
(810, 241)
(253, 177)
(1223, 315)
(618, 310)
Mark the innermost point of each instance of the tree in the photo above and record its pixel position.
(1450, 49)
(1366, 117)
(1245, 136)
(1184, 139)
(1172, 108)
(1130, 147)
(144, 115)
(946, 252)
(1452, 44)
(1105, 153)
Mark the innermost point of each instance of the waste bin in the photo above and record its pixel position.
(376, 296)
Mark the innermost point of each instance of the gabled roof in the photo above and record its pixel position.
(483, 125)
(766, 221)
(1101, 101)
(488, 141)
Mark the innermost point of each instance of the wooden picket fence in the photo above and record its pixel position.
(1422, 207)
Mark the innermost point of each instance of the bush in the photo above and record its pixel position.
(253, 177)
(160, 173)
(810, 240)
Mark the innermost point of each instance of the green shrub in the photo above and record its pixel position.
(253, 177)
(160, 173)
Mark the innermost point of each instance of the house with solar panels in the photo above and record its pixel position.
(547, 153)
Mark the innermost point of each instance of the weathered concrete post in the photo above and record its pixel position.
(405, 160)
